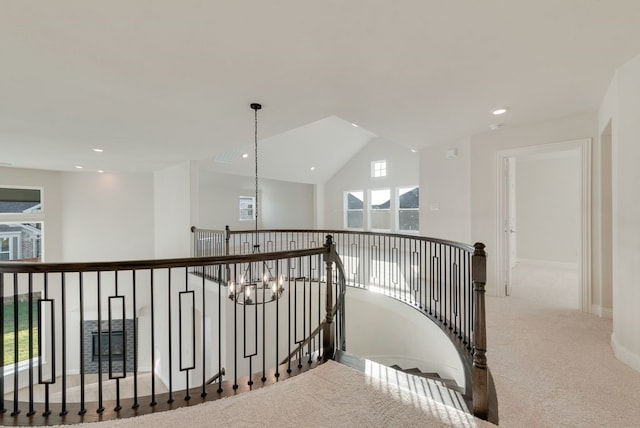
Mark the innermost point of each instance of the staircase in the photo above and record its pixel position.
(430, 385)
(447, 383)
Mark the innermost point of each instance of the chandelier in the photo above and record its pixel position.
(255, 287)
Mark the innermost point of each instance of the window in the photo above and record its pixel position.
(379, 168)
(380, 209)
(408, 209)
(247, 204)
(20, 224)
(354, 201)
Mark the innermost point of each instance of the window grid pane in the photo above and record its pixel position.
(379, 168)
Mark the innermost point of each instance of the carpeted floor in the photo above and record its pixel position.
(553, 366)
(329, 395)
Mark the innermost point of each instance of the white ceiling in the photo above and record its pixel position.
(154, 82)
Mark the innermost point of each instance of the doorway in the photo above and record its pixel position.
(543, 223)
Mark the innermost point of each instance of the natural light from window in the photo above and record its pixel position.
(379, 168)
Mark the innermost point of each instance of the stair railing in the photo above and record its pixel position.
(444, 280)
(158, 334)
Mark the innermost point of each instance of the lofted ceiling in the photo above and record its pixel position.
(155, 82)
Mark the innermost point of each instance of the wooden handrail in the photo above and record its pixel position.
(454, 244)
(22, 267)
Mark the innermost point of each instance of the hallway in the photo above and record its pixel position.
(554, 366)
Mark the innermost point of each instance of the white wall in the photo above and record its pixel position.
(49, 182)
(484, 148)
(373, 325)
(173, 210)
(402, 170)
(281, 204)
(106, 216)
(621, 106)
(445, 188)
(548, 207)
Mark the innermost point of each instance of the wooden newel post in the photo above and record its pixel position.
(480, 370)
(328, 336)
(227, 238)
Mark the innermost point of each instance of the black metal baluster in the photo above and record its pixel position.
(83, 408)
(235, 331)
(135, 404)
(16, 410)
(170, 399)
(289, 316)
(469, 310)
(264, 332)
(52, 336)
(203, 393)
(64, 410)
(100, 406)
(220, 330)
(187, 294)
(447, 287)
(310, 312)
(319, 269)
(277, 373)
(153, 343)
(124, 343)
(31, 411)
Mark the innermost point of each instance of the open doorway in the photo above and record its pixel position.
(543, 247)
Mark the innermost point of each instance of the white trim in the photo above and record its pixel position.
(398, 209)
(345, 209)
(387, 210)
(583, 147)
(602, 312)
(625, 355)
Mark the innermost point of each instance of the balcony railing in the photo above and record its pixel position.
(444, 280)
(96, 341)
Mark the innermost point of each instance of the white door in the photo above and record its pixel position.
(510, 226)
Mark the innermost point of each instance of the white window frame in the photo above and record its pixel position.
(33, 215)
(388, 210)
(346, 210)
(251, 217)
(378, 168)
(13, 237)
(398, 209)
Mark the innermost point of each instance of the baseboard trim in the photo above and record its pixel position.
(548, 263)
(602, 312)
(623, 354)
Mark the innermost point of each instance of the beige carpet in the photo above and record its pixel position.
(329, 395)
(553, 366)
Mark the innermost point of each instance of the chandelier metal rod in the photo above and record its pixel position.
(256, 107)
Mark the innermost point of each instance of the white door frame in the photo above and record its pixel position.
(584, 261)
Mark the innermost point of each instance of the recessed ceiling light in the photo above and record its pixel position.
(245, 155)
(355, 125)
(100, 171)
(313, 168)
(97, 150)
(499, 111)
(414, 151)
(79, 167)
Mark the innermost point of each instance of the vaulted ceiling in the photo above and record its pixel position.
(155, 82)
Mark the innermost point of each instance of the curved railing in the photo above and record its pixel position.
(94, 341)
(444, 280)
